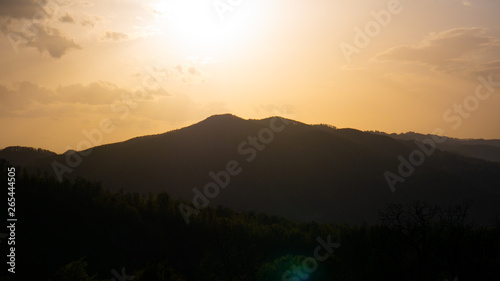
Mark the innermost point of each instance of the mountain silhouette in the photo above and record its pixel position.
(475, 148)
(21, 155)
(298, 171)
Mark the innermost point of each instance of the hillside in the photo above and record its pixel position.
(20, 155)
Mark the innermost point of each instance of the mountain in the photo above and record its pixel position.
(287, 168)
(20, 155)
(475, 148)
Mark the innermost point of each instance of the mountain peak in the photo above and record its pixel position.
(220, 120)
(225, 116)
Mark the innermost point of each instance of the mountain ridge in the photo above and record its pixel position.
(291, 169)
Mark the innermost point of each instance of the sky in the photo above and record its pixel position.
(107, 71)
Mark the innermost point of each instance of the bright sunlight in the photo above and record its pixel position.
(200, 25)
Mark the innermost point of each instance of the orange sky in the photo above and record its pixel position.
(146, 67)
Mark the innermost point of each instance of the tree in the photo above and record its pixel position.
(75, 270)
(422, 226)
(413, 224)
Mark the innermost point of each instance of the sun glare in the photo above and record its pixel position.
(196, 24)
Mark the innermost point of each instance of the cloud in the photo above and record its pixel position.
(78, 106)
(187, 74)
(179, 69)
(36, 10)
(28, 100)
(97, 93)
(37, 23)
(467, 3)
(67, 18)
(90, 20)
(486, 69)
(115, 36)
(179, 108)
(459, 50)
(19, 8)
(23, 97)
(52, 40)
(87, 22)
(27, 23)
(193, 71)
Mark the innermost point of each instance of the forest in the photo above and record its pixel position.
(77, 230)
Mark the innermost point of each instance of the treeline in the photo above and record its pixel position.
(75, 230)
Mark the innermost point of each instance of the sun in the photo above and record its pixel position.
(197, 24)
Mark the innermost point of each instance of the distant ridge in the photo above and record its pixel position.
(475, 148)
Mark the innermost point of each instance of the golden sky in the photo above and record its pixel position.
(146, 67)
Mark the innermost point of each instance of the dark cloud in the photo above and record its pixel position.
(20, 8)
(26, 24)
(52, 40)
(115, 36)
(37, 11)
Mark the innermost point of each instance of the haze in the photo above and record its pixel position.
(152, 66)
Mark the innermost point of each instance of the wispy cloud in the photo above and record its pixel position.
(466, 3)
(115, 36)
(454, 51)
